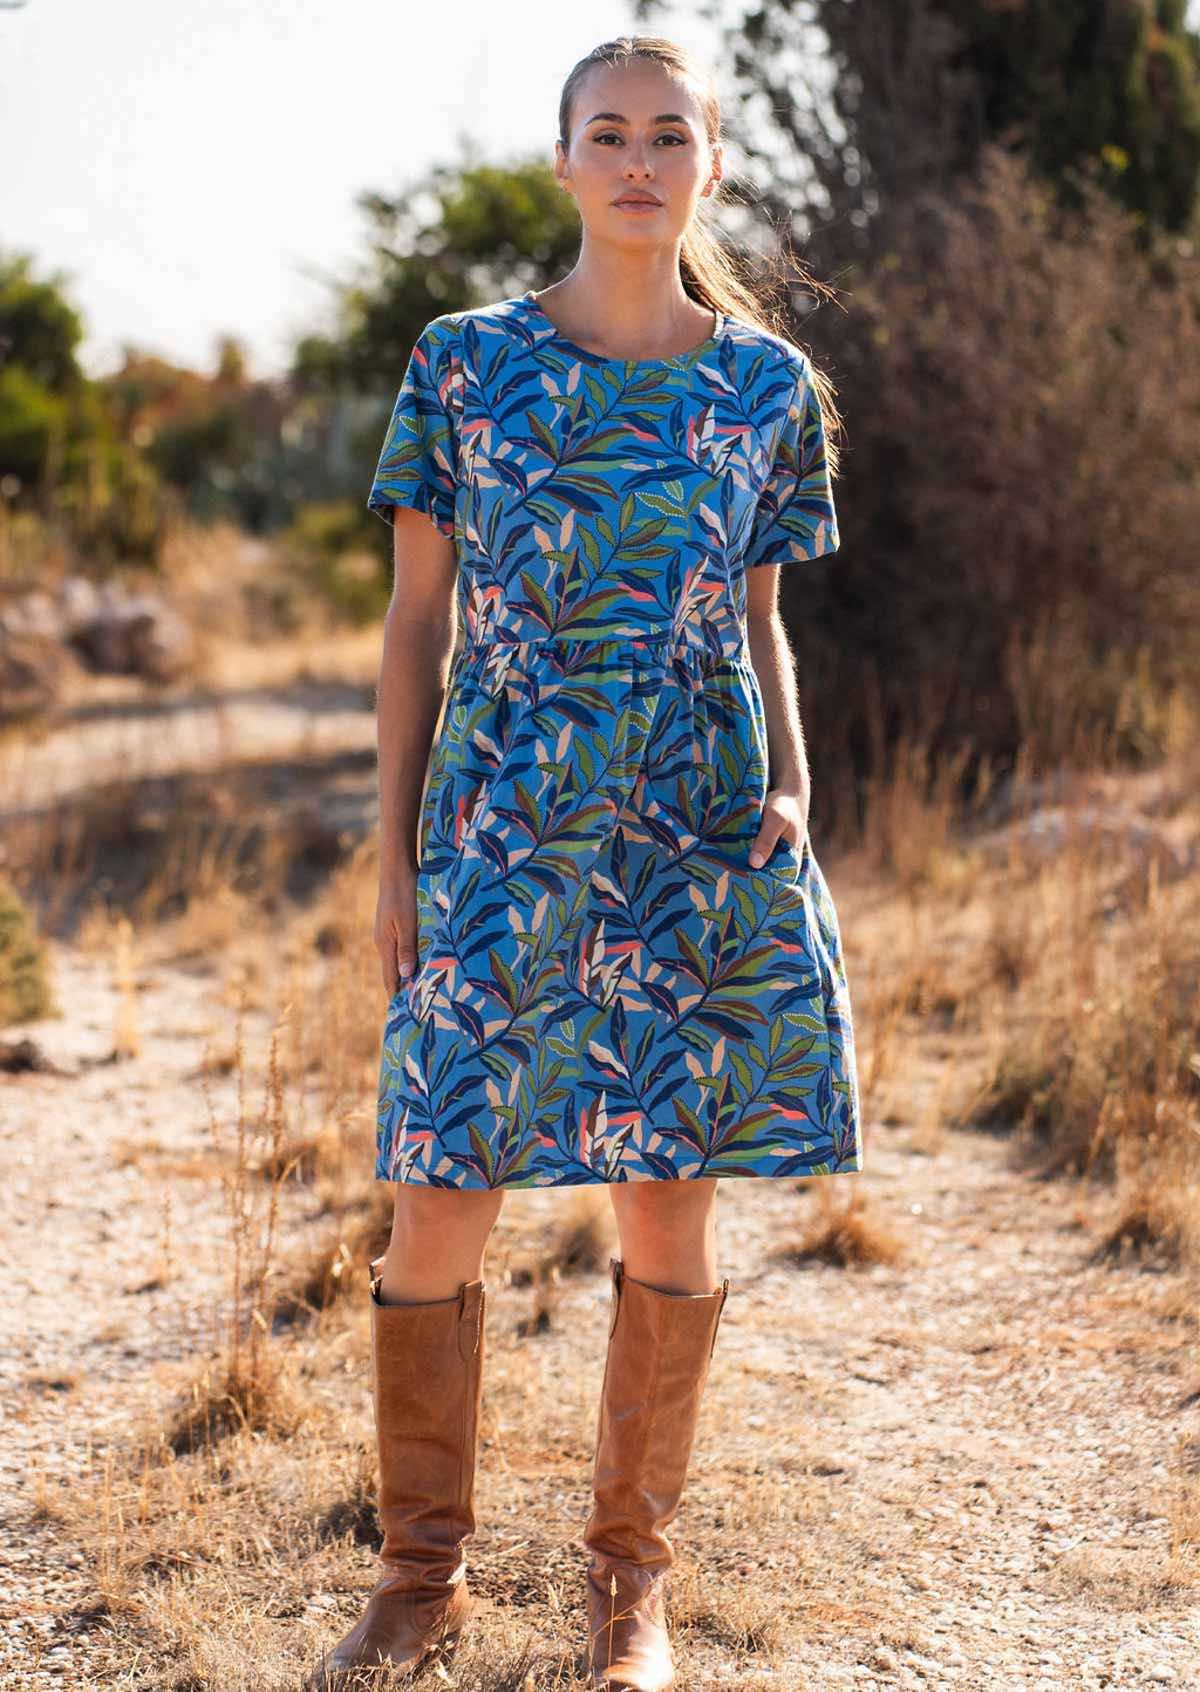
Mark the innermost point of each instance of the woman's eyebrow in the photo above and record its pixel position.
(615, 117)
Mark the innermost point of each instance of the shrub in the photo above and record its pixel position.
(24, 983)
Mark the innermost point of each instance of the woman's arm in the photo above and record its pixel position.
(785, 813)
(418, 643)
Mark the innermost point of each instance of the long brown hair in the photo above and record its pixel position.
(710, 273)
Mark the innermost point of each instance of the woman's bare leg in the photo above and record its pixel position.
(439, 1238)
(668, 1232)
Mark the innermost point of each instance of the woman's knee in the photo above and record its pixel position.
(436, 1213)
(664, 1209)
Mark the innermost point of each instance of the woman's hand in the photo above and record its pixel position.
(396, 927)
(784, 817)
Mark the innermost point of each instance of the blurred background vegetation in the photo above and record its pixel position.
(1003, 196)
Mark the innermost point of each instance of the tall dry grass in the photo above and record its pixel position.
(1042, 941)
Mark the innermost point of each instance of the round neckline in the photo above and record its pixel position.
(555, 334)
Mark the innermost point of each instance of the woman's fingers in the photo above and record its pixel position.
(396, 938)
(783, 818)
(764, 844)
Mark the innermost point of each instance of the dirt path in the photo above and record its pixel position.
(185, 731)
(962, 1470)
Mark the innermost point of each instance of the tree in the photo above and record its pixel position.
(845, 109)
(40, 376)
(462, 235)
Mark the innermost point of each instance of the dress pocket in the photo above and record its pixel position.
(786, 860)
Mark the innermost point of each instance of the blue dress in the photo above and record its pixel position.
(606, 990)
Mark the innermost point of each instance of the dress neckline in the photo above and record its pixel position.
(553, 333)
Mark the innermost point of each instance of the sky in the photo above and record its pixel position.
(192, 170)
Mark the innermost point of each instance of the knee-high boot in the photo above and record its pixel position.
(428, 1377)
(659, 1348)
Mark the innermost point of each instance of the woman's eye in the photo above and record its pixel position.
(610, 135)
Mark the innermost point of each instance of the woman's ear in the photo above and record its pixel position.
(561, 168)
(717, 171)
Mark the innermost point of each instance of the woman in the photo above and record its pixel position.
(614, 957)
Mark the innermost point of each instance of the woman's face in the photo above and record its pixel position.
(637, 131)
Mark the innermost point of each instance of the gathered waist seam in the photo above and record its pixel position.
(670, 638)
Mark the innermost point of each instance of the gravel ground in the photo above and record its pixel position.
(960, 1470)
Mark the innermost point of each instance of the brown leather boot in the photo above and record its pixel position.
(659, 1347)
(428, 1380)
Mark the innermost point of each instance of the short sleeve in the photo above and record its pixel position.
(418, 465)
(795, 518)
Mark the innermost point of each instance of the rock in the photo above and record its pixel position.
(160, 642)
(31, 670)
(1126, 836)
(131, 634)
(19, 1057)
(113, 630)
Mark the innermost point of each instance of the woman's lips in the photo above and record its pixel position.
(639, 205)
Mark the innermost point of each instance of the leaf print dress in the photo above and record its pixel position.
(606, 989)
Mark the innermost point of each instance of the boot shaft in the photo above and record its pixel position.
(659, 1350)
(428, 1383)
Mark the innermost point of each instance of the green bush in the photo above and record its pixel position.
(329, 541)
(24, 982)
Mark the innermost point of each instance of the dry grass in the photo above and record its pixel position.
(845, 1234)
(245, 1385)
(188, 848)
(1043, 955)
(239, 596)
(340, 1267)
(1095, 1059)
(580, 1242)
(1158, 1220)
